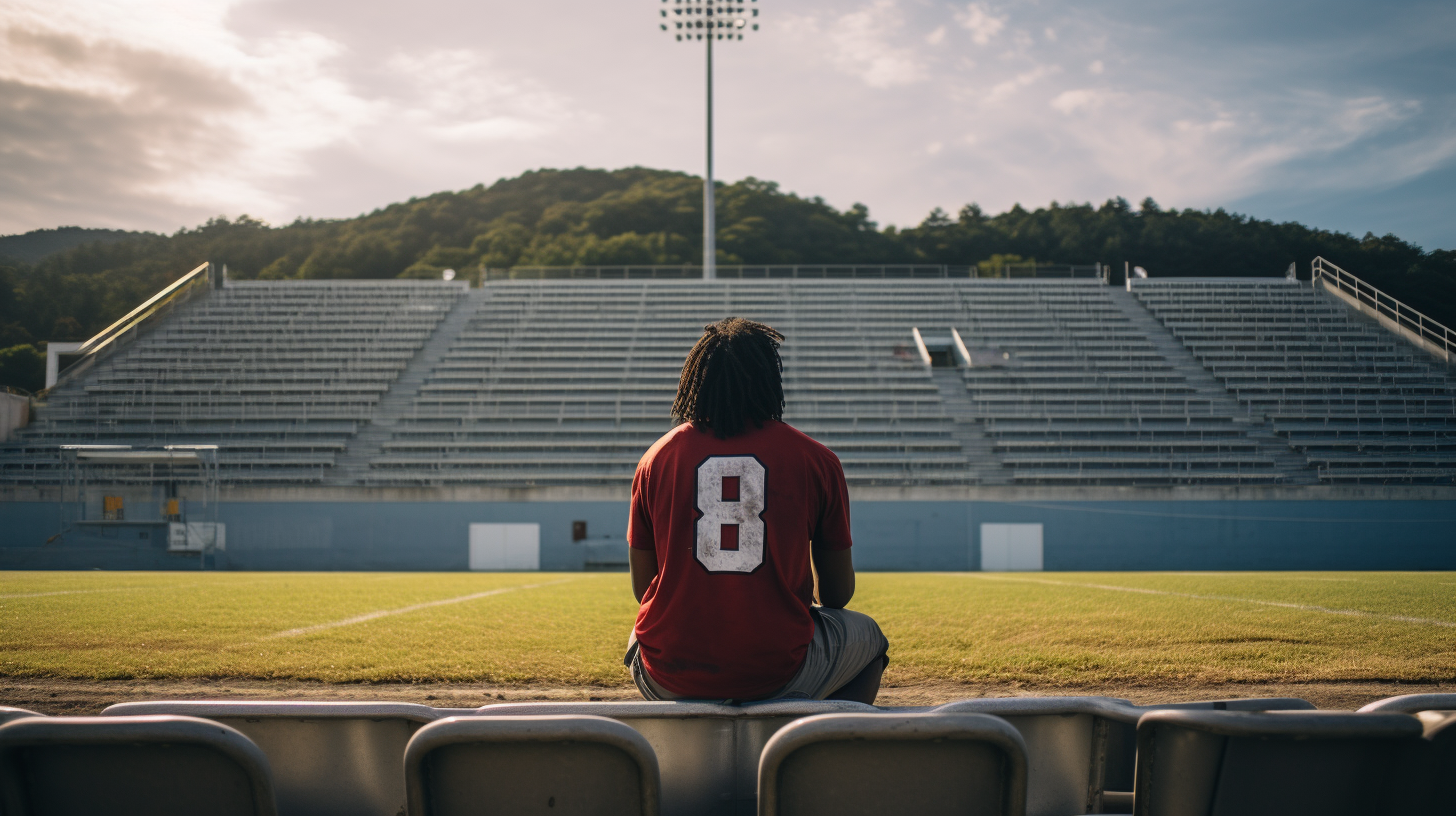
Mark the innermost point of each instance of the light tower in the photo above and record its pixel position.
(705, 21)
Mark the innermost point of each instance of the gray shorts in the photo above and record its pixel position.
(844, 643)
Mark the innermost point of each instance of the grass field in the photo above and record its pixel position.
(1062, 629)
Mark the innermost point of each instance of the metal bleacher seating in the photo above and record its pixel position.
(568, 382)
(279, 375)
(546, 383)
(1051, 756)
(1358, 402)
(1082, 395)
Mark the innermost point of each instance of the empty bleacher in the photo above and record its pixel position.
(566, 383)
(569, 382)
(278, 375)
(1358, 402)
(1082, 395)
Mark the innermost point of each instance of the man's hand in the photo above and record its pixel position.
(643, 564)
(833, 576)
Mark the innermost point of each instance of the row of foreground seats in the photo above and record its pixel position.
(1051, 756)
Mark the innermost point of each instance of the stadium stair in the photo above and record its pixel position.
(980, 458)
(353, 464)
(1292, 466)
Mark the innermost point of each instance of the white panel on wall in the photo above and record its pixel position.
(1010, 547)
(505, 547)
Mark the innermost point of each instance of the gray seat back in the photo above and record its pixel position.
(1066, 746)
(1412, 703)
(1235, 763)
(926, 764)
(131, 766)
(1117, 774)
(1436, 785)
(329, 759)
(7, 714)
(708, 752)
(551, 765)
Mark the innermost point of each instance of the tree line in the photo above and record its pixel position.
(642, 216)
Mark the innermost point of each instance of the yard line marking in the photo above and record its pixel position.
(1353, 613)
(384, 613)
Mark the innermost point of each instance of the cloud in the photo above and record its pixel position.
(1009, 88)
(982, 24)
(861, 43)
(154, 114)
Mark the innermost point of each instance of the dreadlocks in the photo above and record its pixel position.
(733, 376)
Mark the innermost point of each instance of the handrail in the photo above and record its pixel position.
(1427, 330)
(120, 327)
(908, 271)
(177, 291)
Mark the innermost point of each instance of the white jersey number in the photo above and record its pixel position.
(730, 497)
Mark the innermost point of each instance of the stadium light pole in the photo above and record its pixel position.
(705, 21)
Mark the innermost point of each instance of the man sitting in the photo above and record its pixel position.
(738, 524)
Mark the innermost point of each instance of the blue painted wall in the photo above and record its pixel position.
(889, 535)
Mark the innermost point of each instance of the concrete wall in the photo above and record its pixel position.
(14, 414)
(889, 535)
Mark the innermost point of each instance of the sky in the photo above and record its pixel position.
(158, 114)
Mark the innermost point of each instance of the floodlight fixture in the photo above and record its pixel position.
(707, 21)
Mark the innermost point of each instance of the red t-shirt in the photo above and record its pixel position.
(731, 521)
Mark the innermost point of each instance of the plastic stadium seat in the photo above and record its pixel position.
(131, 766)
(329, 759)
(925, 764)
(556, 766)
(1238, 763)
(708, 752)
(7, 714)
(1081, 750)
(1431, 778)
(1412, 703)
(1066, 748)
(1122, 741)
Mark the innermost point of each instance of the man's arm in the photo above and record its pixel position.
(644, 569)
(833, 576)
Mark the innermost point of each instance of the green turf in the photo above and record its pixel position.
(570, 629)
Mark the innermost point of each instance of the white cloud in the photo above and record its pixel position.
(861, 44)
(1009, 88)
(982, 24)
(159, 113)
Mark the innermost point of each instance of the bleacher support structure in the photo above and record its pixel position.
(1254, 423)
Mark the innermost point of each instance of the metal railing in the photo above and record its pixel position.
(117, 334)
(796, 272)
(1430, 333)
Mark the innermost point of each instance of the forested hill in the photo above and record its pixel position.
(36, 245)
(643, 216)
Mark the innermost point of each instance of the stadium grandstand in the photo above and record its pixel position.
(1056, 419)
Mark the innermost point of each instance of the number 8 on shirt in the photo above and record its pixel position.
(731, 498)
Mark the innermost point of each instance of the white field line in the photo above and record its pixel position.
(384, 613)
(1352, 613)
(72, 592)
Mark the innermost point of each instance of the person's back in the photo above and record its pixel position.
(729, 510)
